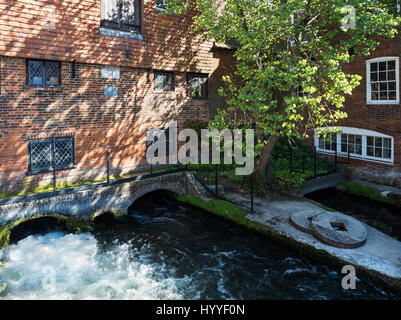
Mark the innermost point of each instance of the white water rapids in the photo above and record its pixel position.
(67, 266)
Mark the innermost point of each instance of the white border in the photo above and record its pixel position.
(397, 79)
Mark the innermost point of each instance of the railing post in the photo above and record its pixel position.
(54, 166)
(108, 165)
(335, 160)
(314, 162)
(215, 179)
(251, 182)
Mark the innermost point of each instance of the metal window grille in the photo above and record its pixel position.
(40, 154)
(164, 81)
(121, 14)
(44, 73)
(161, 4)
(198, 85)
(152, 137)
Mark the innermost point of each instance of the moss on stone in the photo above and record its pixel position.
(72, 224)
(326, 208)
(368, 192)
(221, 208)
(239, 216)
(119, 214)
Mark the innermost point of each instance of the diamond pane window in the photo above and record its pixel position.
(164, 81)
(161, 4)
(152, 136)
(40, 154)
(43, 73)
(197, 84)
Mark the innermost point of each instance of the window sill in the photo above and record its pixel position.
(40, 87)
(342, 155)
(374, 103)
(160, 91)
(45, 171)
(120, 33)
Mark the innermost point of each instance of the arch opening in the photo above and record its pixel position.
(37, 226)
(149, 199)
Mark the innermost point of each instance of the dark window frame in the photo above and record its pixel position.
(49, 168)
(205, 93)
(159, 72)
(43, 62)
(160, 4)
(120, 25)
(156, 138)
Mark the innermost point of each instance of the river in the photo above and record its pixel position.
(164, 250)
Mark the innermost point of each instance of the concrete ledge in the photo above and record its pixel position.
(83, 202)
(324, 182)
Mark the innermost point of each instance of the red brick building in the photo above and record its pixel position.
(372, 131)
(92, 74)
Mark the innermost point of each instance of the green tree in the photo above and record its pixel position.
(291, 57)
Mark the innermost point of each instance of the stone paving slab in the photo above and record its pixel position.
(339, 230)
(381, 254)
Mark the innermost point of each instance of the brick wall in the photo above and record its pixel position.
(79, 107)
(223, 62)
(385, 119)
(25, 31)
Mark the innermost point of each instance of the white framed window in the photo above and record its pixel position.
(328, 142)
(351, 143)
(359, 143)
(382, 81)
(378, 148)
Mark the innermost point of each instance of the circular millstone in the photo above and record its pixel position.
(301, 220)
(339, 230)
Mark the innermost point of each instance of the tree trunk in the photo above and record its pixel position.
(265, 157)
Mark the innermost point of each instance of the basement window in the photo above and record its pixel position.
(360, 143)
(40, 154)
(382, 80)
(328, 142)
(164, 81)
(43, 73)
(197, 85)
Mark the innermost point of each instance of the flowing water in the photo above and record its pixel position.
(164, 250)
(384, 217)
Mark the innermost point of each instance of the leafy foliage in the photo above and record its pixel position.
(285, 45)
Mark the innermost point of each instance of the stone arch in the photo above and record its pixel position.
(163, 186)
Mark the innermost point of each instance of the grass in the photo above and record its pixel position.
(368, 192)
(302, 163)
